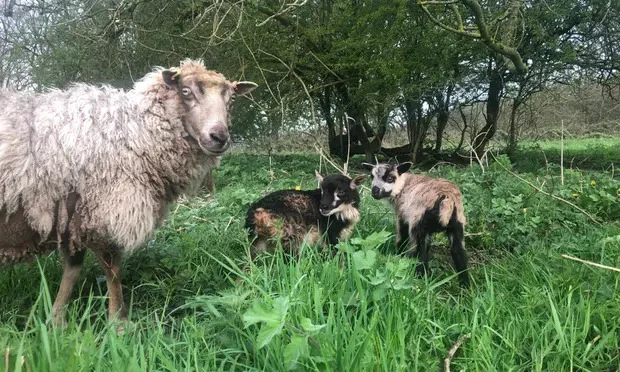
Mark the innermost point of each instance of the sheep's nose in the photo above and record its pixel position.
(220, 134)
(324, 207)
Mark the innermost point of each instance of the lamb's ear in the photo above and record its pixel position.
(171, 77)
(357, 181)
(242, 88)
(368, 166)
(318, 176)
(402, 168)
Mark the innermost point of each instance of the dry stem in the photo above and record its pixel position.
(452, 351)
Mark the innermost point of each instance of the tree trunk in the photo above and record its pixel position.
(512, 133)
(443, 115)
(496, 86)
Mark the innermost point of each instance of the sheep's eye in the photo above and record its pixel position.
(186, 92)
(340, 193)
(389, 178)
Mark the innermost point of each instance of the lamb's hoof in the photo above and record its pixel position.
(422, 270)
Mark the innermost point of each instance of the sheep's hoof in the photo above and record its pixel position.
(422, 270)
(124, 326)
(60, 322)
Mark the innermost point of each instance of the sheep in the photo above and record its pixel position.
(326, 215)
(423, 206)
(97, 167)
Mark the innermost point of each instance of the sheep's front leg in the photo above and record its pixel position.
(402, 236)
(110, 261)
(422, 251)
(72, 266)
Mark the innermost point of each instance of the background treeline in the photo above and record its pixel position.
(392, 77)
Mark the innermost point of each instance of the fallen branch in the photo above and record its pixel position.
(546, 193)
(452, 351)
(591, 263)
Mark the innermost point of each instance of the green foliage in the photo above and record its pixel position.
(363, 309)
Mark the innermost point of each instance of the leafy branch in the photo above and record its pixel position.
(482, 29)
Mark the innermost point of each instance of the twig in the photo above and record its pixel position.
(591, 263)
(562, 155)
(452, 351)
(546, 193)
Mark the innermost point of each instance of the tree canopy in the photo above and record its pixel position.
(354, 70)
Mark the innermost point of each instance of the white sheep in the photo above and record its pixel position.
(96, 167)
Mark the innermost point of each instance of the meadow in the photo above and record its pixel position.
(528, 309)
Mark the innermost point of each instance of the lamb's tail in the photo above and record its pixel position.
(449, 206)
(446, 208)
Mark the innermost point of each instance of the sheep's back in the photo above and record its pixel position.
(288, 213)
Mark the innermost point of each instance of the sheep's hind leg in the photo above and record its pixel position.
(72, 266)
(110, 260)
(459, 257)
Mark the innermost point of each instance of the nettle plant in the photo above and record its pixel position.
(281, 321)
(596, 193)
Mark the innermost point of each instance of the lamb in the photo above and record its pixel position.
(423, 206)
(97, 168)
(326, 215)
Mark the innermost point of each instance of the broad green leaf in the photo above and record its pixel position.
(259, 313)
(379, 292)
(267, 331)
(296, 348)
(364, 259)
(373, 240)
(271, 315)
(307, 325)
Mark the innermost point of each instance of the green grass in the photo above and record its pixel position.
(599, 154)
(529, 308)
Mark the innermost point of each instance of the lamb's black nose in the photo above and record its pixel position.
(376, 192)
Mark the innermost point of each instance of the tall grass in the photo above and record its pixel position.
(528, 309)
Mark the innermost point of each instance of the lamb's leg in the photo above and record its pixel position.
(110, 260)
(455, 235)
(422, 248)
(72, 266)
(402, 236)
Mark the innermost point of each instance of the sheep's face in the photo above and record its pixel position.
(384, 177)
(339, 193)
(206, 97)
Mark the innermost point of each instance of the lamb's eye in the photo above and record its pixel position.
(389, 179)
(340, 193)
(186, 92)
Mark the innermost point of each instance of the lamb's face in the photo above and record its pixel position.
(338, 193)
(206, 97)
(384, 177)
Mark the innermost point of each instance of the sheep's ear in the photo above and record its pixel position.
(242, 88)
(402, 168)
(171, 77)
(357, 181)
(368, 166)
(318, 176)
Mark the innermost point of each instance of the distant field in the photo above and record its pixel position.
(597, 154)
(529, 308)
